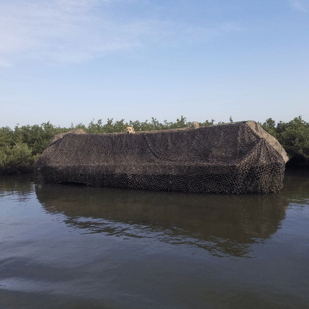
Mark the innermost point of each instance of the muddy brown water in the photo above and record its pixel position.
(73, 246)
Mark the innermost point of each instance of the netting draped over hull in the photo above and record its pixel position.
(235, 158)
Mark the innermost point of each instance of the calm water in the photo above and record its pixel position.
(69, 246)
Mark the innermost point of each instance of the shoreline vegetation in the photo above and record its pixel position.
(22, 146)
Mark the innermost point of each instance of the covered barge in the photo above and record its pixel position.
(232, 158)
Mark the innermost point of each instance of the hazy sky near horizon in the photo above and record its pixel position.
(72, 61)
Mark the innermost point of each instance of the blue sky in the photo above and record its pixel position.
(68, 61)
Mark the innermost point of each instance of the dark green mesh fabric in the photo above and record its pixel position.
(234, 158)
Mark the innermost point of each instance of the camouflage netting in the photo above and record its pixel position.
(234, 158)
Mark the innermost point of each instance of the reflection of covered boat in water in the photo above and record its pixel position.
(233, 158)
(221, 224)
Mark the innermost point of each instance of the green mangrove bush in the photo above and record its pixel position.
(293, 136)
(16, 159)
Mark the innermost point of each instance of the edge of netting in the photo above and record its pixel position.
(174, 130)
(283, 155)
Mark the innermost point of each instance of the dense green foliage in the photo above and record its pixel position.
(16, 159)
(293, 136)
(20, 147)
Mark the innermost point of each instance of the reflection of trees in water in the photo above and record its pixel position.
(222, 224)
(296, 186)
(21, 185)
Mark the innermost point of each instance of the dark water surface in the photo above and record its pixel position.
(71, 246)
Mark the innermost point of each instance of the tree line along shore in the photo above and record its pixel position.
(22, 146)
